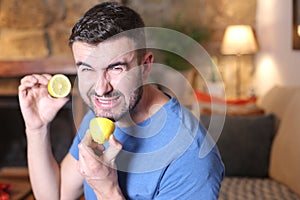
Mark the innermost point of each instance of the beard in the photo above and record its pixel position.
(122, 110)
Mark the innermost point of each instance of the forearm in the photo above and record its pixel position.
(43, 169)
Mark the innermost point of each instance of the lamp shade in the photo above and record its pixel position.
(238, 39)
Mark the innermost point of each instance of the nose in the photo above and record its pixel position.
(103, 85)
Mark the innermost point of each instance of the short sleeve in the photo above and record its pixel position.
(80, 134)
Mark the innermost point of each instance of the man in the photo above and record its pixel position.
(154, 151)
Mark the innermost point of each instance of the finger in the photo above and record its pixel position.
(112, 151)
(27, 82)
(93, 146)
(86, 142)
(87, 138)
(32, 80)
(57, 102)
(36, 78)
(22, 91)
(91, 166)
(86, 155)
(47, 76)
(28, 78)
(83, 154)
(42, 79)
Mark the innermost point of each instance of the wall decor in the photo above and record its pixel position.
(296, 25)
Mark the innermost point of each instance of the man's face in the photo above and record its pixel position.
(109, 77)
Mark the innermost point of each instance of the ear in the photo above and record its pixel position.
(147, 64)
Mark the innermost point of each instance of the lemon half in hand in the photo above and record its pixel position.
(59, 86)
(101, 129)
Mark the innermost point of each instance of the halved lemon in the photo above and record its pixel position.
(59, 86)
(101, 129)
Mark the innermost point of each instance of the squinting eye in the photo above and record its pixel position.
(84, 68)
(118, 69)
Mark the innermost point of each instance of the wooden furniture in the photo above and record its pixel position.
(18, 180)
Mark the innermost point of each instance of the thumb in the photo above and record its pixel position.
(59, 102)
(112, 151)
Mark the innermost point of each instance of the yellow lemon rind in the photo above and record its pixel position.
(101, 129)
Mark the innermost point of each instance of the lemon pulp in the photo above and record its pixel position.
(59, 86)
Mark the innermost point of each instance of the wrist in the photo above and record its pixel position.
(39, 130)
(38, 140)
(112, 192)
(38, 135)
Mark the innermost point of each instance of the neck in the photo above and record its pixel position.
(151, 101)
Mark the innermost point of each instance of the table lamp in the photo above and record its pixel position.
(238, 40)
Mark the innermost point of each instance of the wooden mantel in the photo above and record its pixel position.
(11, 73)
(10, 69)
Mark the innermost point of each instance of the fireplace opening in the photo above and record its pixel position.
(13, 145)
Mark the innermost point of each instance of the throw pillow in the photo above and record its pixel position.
(245, 144)
(285, 157)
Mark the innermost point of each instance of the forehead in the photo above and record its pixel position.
(106, 51)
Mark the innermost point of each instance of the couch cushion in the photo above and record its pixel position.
(245, 144)
(285, 154)
(234, 188)
(276, 100)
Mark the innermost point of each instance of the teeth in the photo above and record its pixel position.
(107, 101)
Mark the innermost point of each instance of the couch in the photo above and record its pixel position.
(261, 153)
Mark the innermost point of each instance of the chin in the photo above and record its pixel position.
(115, 116)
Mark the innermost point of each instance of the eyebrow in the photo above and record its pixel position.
(116, 64)
(109, 66)
(82, 63)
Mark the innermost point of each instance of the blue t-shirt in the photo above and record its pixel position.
(168, 156)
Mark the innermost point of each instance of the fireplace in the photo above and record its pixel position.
(13, 140)
(13, 146)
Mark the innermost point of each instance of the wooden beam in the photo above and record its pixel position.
(50, 66)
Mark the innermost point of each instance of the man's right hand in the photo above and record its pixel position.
(37, 106)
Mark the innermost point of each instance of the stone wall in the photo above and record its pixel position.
(38, 29)
(215, 16)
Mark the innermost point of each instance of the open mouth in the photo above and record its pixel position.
(107, 102)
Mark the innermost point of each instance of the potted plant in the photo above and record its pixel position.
(176, 65)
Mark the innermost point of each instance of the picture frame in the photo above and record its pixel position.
(296, 24)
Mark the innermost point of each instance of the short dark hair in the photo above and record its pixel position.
(106, 20)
